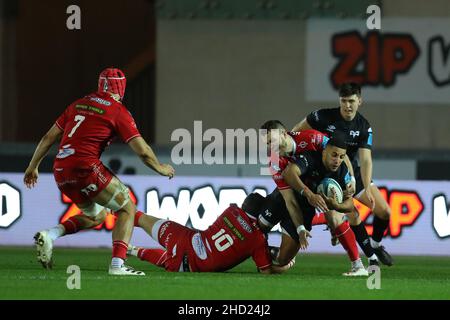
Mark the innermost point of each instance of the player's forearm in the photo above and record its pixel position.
(41, 151)
(295, 212)
(149, 158)
(299, 186)
(292, 177)
(349, 165)
(276, 269)
(366, 172)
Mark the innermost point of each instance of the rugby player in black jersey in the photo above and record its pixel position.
(358, 132)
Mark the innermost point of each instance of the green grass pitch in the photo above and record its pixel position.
(313, 277)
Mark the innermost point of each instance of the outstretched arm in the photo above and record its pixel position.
(32, 173)
(296, 215)
(148, 157)
(274, 269)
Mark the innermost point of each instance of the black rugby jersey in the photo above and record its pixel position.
(313, 171)
(357, 132)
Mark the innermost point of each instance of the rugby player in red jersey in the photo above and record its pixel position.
(86, 128)
(231, 239)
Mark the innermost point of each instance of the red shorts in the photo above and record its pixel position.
(82, 183)
(177, 241)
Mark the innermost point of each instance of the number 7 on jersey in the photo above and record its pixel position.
(78, 119)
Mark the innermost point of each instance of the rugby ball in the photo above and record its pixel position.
(327, 186)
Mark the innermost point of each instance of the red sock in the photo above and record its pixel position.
(154, 256)
(136, 218)
(119, 249)
(71, 225)
(348, 240)
(319, 219)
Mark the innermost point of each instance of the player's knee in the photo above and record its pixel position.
(330, 216)
(353, 218)
(385, 212)
(92, 210)
(99, 218)
(120, 201)
(335, 218)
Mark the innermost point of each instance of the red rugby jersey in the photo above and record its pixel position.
(89, 125)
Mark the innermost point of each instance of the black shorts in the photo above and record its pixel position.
(276, 212)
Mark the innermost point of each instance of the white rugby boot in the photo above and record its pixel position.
(44, 248)
(357, 270)
(124, 270)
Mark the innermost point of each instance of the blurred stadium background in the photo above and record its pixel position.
(230, 64)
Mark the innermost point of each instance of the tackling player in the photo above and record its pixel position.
(358, 136)
(86, 128)
(231, 239)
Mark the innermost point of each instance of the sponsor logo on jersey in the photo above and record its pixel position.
(60, 184)
(65, 151)
(331, 128)
(233, 228)
(303, 144)
(199, 246)
(347, 178)
(244, 224)
(325, 141)
(89, 108)
(316, 115)
(101, 101)
(268, 213)
(354, 133)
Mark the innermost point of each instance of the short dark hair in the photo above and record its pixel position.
(337, 140)
(349, 88)
(273, 124)
(254, 204)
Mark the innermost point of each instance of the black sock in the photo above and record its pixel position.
(379, 227)
(363, 239)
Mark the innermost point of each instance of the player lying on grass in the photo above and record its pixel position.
(231, 239)
(304, 176)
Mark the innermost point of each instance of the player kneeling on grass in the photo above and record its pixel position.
(231, 239)
(305, 175)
